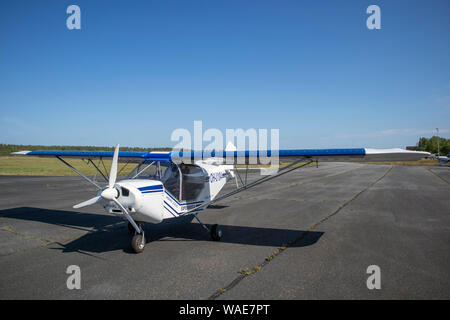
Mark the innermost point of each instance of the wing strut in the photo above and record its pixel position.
(121, 169)
(285, 170)
(106, 171)
(98, 170)
(82, 175)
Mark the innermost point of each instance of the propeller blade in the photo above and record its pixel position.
(88, 202)
(113, 172)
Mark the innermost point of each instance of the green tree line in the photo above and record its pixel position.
(431, 145)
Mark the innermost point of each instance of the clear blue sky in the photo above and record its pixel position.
(137, 70)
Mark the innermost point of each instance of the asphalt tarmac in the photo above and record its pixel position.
(310, 234)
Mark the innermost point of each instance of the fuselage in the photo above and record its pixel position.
(180, 190)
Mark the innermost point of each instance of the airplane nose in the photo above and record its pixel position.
(110, 193)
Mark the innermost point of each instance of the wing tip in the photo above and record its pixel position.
(22, 153)
(394, 154)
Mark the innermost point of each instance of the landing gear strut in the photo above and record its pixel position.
(131, 229)
(214, 232)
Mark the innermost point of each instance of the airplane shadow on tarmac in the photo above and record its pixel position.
(109, 233)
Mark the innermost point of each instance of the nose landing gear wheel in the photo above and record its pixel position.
(216, 233)
(138, 243)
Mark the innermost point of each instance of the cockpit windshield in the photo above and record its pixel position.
(190, 179)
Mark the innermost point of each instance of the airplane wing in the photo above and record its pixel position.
(310, 155)
(349, 154)
(124, 156)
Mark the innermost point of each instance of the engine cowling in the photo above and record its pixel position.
(143, 197)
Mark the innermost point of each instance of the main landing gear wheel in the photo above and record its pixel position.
(138, 242)
(216, 233)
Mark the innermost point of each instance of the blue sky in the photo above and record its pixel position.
(137, 70)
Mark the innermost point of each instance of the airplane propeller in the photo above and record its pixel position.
(88, 202)
(110, 193)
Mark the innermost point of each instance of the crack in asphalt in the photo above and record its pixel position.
(247, 271)
(23, 235)
(435, 174)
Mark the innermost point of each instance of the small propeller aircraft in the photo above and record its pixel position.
(166, 185)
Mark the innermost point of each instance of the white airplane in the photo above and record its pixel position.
(166, 185)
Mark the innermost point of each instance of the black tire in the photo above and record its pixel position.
(138, 243)
(216, 233)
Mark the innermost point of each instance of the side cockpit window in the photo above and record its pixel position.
(171, 180)
(193, 183)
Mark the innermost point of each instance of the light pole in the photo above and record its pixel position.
(437, 129)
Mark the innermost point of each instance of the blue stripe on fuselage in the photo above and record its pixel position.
(172, 208)
(156, 187)
(170, 211)
(180, 213)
